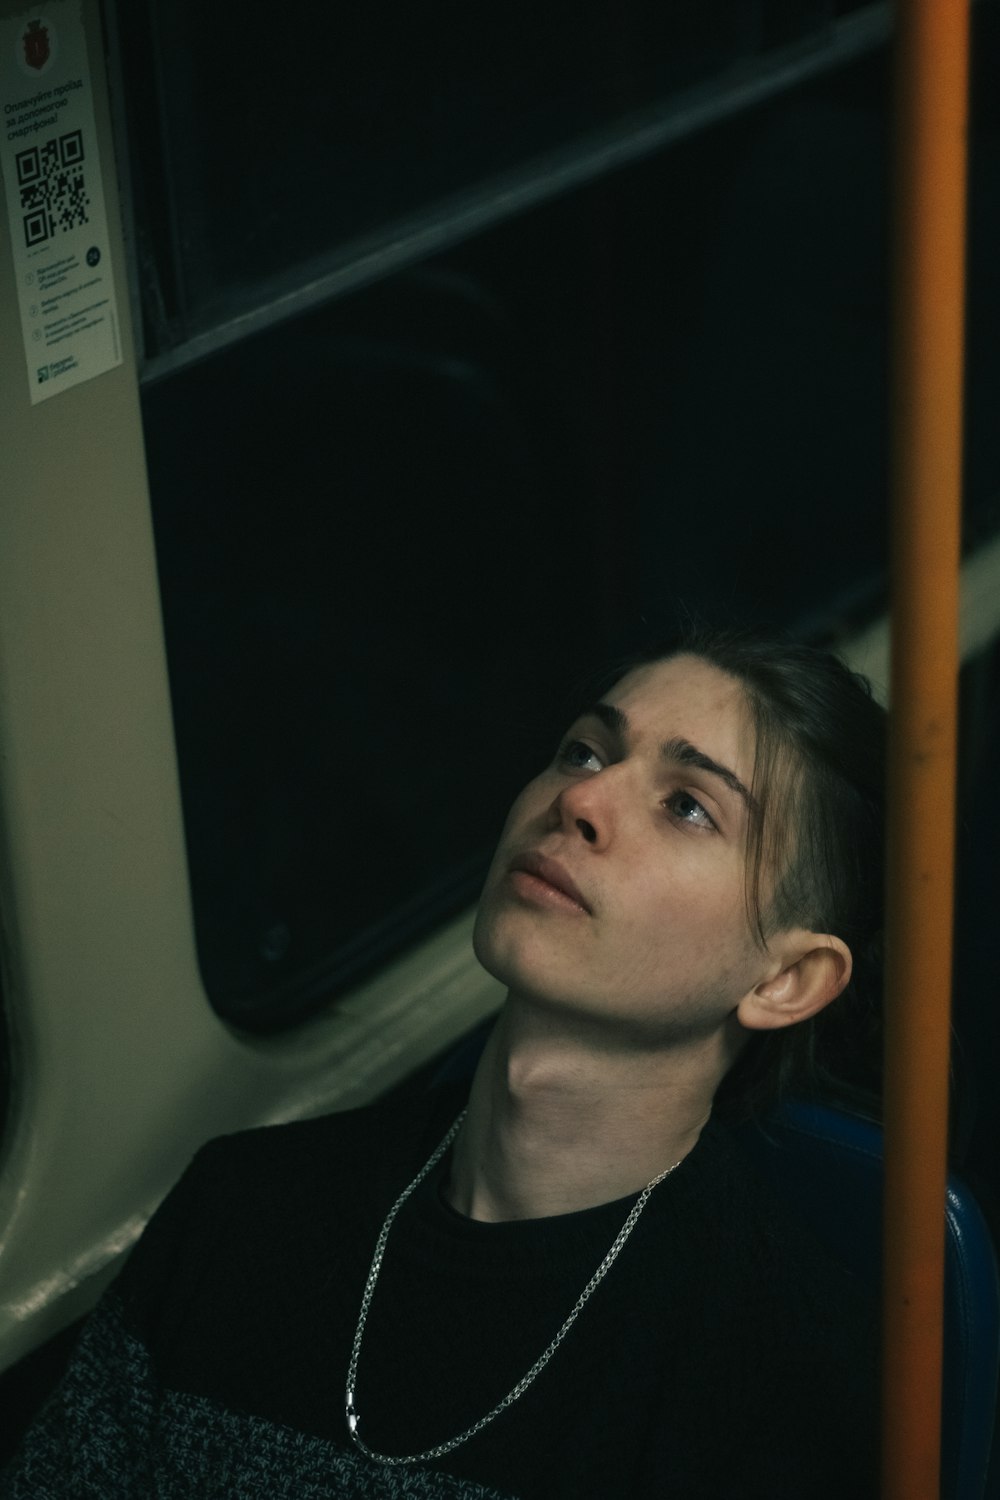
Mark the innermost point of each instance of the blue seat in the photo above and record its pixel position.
(829, 1165)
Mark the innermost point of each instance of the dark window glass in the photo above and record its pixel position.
(380, 568)
(264, 139)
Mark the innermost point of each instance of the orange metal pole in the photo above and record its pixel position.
(929, 283)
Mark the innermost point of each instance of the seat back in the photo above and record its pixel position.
(829, 1165)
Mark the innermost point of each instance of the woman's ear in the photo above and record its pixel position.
(815, 968)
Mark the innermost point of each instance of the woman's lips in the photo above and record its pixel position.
(541, 878)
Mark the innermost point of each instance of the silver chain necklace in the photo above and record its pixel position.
(350, 1410)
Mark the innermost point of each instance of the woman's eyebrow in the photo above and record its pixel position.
(679, 751)
(682, 752)
(612, 718)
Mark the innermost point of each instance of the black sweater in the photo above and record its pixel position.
(725, 1355)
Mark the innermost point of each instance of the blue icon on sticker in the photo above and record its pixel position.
(93, 255)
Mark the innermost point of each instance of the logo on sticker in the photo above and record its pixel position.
(37, 46)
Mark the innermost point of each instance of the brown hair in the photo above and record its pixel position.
(814, 855)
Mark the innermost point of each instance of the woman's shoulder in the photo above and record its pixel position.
(360, 1143)
(278, 1183)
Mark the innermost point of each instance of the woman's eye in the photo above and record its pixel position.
(689, 810)
(579, 756)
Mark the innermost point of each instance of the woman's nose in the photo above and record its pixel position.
(586, 808)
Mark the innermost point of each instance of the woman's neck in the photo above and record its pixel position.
(557, 1123)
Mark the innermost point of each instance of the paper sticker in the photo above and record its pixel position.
(55, 200)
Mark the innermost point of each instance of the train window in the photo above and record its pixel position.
(361, 517)
(356, 534)
(392, 529)
(264, 149)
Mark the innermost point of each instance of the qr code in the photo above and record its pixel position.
(53, 191)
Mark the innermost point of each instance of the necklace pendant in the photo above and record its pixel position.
(352, 1416)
